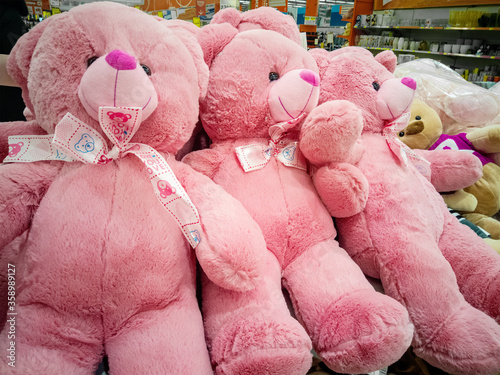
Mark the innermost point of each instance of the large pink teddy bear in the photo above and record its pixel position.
(262, 83)
(106, 264)
(443, 273)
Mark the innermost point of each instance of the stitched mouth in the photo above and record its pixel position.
(389, 108)
(404, 110)
(149, 100)
(302, 110)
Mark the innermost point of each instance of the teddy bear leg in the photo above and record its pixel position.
(8, 256)
(253, 332)
(45, 341)
(476, 266)
(489, 224)
(449, 333)
(353, 328)
(160, 341)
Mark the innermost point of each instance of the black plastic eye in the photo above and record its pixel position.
(401, 134)
(146, 69)
(273, 76)
(91, 60)
(376, 86)
(418, 118)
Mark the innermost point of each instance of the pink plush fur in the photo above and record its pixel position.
(352, 327)
(444, 274)
(101, 266)
(452, 171)
(341, 186)
(259, 18)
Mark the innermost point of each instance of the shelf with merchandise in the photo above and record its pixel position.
(435, 53)
(430, 28)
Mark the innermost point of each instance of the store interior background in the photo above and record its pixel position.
(464, 35)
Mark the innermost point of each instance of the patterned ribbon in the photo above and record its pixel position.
(76, 141)
(256, 156)
(402, 151)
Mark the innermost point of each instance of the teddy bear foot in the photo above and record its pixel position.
(262, 345)
(363, 332)
(468, 342)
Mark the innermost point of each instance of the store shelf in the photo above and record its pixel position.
(405, 4)
(435, 53)
(361, 7)
(400, 27)
(473, 28)
(342, 36)
(430, 28)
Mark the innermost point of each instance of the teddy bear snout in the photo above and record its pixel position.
(121, 60)
(415, 127)
(394, 97)
(294, 93)
(117, 80)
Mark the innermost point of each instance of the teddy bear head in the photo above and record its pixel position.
(424, 127)
(354, 74)
(259, 74)
(110, 55)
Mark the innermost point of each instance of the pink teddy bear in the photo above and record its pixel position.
(103, 262)
(262, 83)
(444, 274)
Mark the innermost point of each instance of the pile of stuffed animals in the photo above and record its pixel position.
(456, 114)
(104, 225)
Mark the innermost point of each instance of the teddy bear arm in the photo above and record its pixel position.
(205, 161)
(343, 189)
(232, 247)
(22, 187)
(17, 128)
(451, 169)
(331, 132)
(485, 140)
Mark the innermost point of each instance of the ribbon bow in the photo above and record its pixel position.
(402, 151)
(74, 140)
(256, 156)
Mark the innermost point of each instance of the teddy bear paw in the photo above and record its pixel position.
(343, 188)
(467, 342)
(363, 332)
(331, 132)
(262, 345)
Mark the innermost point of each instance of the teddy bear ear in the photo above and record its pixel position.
(264, 18)
(322, 58)
(227, 15)
(188, 33)
(351, 50)
(213, 38)
(19, 60)
(271, 19)
(387, 59)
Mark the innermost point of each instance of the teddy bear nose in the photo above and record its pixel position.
(121, 60)
(407, 81)
(310, 77)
